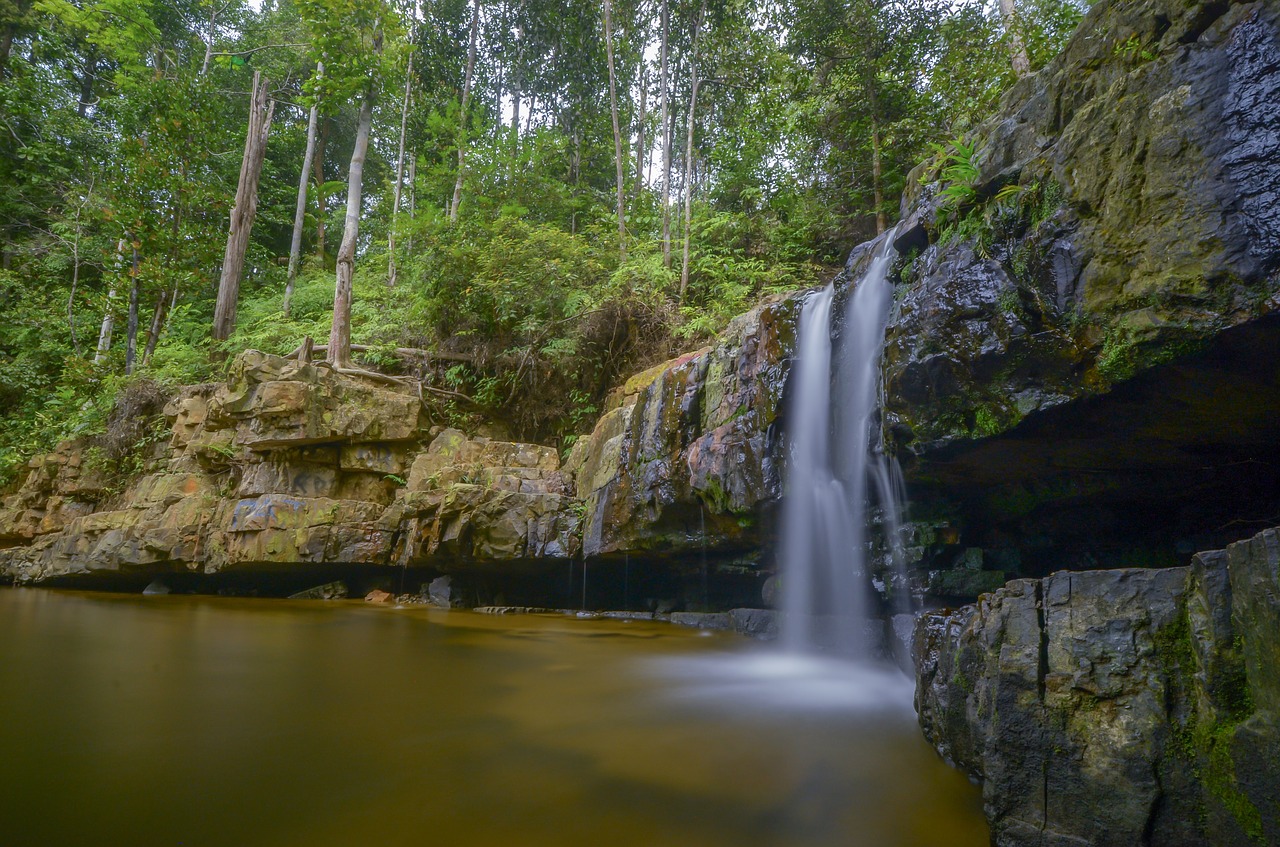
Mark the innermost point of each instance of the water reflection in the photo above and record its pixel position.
(207, 721)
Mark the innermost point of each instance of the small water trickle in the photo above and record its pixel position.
(835, 452)
(626, 582)
(584, 582)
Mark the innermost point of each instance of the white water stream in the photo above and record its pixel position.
(835, 457)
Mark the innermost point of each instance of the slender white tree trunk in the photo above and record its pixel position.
(339, 350)
(666, 145)
(462, 117)
(617, 132)
(688, 157)
(300, 211)
(395, 203)
(1017, 48)
(104, 335)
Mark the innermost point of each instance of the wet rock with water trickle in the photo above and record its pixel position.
(1117, 707)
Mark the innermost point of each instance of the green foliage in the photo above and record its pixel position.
(119, 140)
(959, 174)
(1133, 51)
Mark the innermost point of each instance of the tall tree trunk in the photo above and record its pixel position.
(131, 336)
(688, 155)
(208, 44)
(1017, 48)
(321, 139)
(666, 145)
(246, 207)
(413, 196)
(644, 114)
(462, 116)
(877, 170)
(339, 351)
(395, 203)
(300, 210)
(108, 316)
(153, 331)
(617, 132)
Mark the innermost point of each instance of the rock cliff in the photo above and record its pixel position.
(1117, 707)
(1080, 367)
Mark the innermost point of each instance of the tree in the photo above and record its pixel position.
(617, 132)
(261, 110)
(463, 113)
(353, 57)
(300, 209)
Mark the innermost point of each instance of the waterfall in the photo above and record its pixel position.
(834, 459)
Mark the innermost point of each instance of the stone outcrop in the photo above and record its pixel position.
(288, 465)
(687, 453)
(1085, 367)
(1152, 158)
(1117, 707)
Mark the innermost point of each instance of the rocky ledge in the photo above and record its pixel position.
(1117, 707)
(289, 465)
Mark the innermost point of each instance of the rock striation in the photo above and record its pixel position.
(1116, 707)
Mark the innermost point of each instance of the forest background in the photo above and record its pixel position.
(547, 195)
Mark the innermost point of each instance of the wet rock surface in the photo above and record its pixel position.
(1116, 707)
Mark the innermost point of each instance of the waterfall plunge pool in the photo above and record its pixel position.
(128, 720)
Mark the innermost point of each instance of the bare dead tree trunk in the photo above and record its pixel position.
(131, 335)
(617, 132)
(339, 352)
(688, 155)
(462, 117)
(300, 211)
(1017, 48)
(395, 204)
(666, 144)
(246, 207)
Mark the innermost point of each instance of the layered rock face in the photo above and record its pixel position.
(1117, 707)
(288, 465)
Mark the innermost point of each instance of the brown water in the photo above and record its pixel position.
(208, 721)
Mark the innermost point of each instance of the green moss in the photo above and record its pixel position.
(1217, 772)
(1204, 741)
(1123, 355)
(716, 498)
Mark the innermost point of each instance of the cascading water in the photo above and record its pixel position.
(826, 589)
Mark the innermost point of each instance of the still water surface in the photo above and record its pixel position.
(210, 721)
